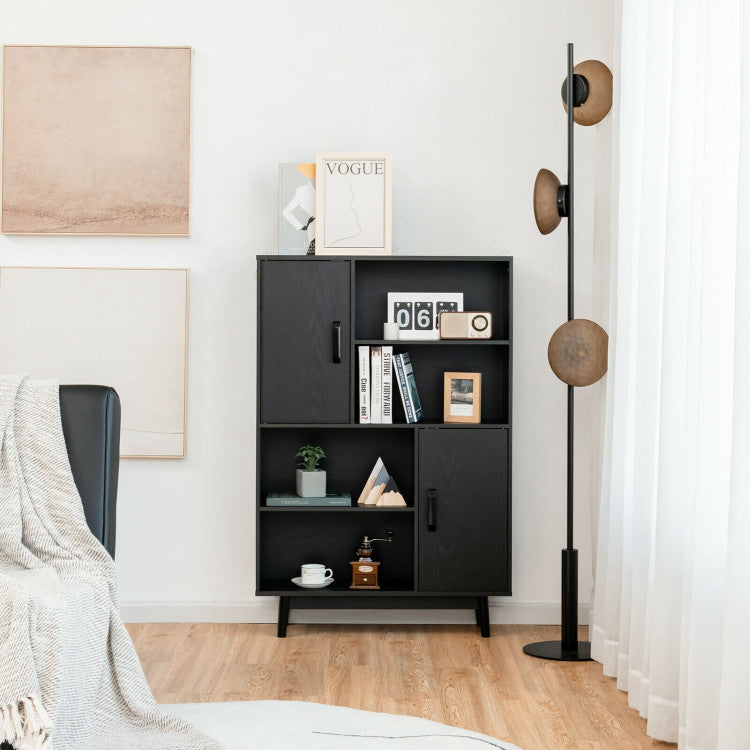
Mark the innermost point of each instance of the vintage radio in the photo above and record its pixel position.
(465, 325)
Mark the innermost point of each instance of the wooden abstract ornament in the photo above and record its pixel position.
(599, 99)
(545, 201)
(577, 352)
(391, 496)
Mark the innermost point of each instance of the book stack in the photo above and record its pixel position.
(380, 489)
(379, 372)
(287, 500)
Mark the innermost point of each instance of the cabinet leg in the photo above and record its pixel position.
(284, 602)
(483, 616)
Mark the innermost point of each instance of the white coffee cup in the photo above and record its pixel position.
(315, 573)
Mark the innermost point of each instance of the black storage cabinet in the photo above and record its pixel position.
(452, 543)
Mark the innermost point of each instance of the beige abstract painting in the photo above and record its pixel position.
(122, 327)
(96, 140)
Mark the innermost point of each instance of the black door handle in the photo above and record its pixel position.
(431, 500)
(337, 342)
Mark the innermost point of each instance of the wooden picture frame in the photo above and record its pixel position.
(462, 397)
(353, 204)
(96, 140)
(122, 327)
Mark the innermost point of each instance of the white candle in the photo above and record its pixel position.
(390, 331)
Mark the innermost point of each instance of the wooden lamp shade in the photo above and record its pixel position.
(594, 92)
(577, 352)
(546, 211)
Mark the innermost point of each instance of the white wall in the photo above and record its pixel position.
(466, 95)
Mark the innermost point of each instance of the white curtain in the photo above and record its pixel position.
(671, 617)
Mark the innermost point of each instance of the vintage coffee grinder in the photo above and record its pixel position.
(364, 568)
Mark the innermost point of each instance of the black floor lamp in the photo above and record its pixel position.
(577, 350)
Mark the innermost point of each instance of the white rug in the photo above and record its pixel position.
(277, 725)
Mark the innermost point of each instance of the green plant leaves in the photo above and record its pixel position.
(311, 456)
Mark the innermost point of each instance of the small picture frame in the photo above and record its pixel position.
(462, 399)
(353, 204)
(297, 209)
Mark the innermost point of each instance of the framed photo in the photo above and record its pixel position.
(462, 399)
(296, 209)
(418, 313)
(353, 204)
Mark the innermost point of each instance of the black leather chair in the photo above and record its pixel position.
(91, 425)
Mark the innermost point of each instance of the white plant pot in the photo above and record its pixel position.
(311, 483)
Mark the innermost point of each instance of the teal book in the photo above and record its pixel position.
(407, 387)
(288, 500)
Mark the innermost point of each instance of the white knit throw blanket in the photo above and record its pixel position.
(69, 675)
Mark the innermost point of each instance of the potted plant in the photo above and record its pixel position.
(311, 481)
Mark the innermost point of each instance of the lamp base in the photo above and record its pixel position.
(554, 650)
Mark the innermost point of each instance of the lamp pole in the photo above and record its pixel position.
(569, 648)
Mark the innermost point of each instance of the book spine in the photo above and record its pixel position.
(412, 388)
(376, 385)
(403, 388)
(387, 385)
(364, 385)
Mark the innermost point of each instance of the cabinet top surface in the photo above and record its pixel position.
(392, 258)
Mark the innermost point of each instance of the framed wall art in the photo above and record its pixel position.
(96, 140)
(122, 327)
(462, 399)
(353, 204)
(296, 209)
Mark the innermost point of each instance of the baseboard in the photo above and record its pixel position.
(265, 610)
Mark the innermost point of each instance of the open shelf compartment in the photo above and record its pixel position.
(288, 540)
(485, 285)
(351, 454)
(430, 363)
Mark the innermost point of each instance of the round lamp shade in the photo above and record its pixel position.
(545, 201)
(599, 99)
(577, 352)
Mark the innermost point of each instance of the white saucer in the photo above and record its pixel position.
(298, 581)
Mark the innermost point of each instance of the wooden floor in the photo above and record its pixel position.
(446, 673)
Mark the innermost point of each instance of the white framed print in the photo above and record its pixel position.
(124, 327)
(353, 204)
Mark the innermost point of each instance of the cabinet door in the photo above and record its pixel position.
(304, 341)
(463, 510)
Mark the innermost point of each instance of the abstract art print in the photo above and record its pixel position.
(297, 209)
(353, 204)
(96, 140)
(122, 327)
